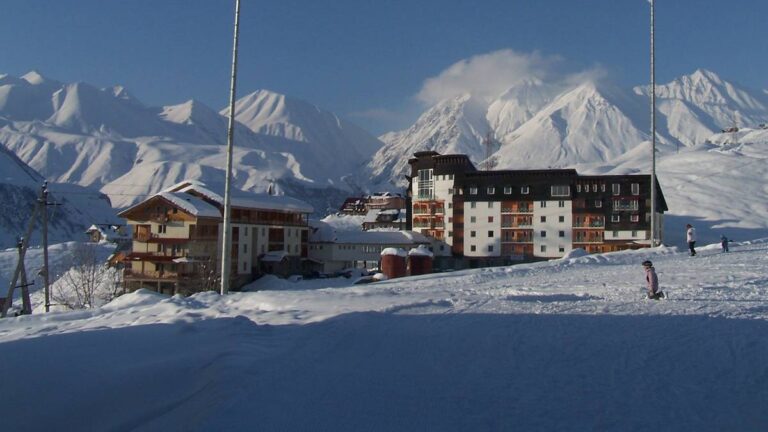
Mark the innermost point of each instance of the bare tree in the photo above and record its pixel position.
(88, 282)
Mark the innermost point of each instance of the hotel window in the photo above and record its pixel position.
(473, 190)
(450, 191)
(450, 220)
(450, 233)
(490, 219)
(245, 247)
(507, 190)
(473, 204)
(490, 204)
(161, 229)
(543, 219)
(490, 248)
(472, 233)
(561, 204)
(615, 218)
(491, 190)
(578, 188)
(560, 190)
(426, 185)
(473, 248)
(561, 219)
(634, 218)
(543, 234)
(490, 234)
(450, 205)
(525, 190)
(543, 248)
(542, 204)
(634, 233)
(616, 189)
(602, 187)
(472, 219)
(561, 249)
(635, 188)
(598, 203)
(561, 234)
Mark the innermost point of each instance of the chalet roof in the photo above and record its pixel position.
(246, 200)
(191, 204)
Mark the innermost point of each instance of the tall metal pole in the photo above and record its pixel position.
(653, 128)
(226, 253)
(46, 280)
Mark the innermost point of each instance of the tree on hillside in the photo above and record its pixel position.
(88, 282)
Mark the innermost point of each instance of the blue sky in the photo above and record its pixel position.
(368, 60)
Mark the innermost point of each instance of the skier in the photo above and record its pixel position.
(724, 243)
(690, 235)
(653, 281)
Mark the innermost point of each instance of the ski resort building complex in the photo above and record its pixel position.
(497, 217)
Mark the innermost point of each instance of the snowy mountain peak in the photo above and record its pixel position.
(36, 78)
(191, 112)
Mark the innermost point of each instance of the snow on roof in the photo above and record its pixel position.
(382, 237)
(394, 251)
(249, 200)
(321, 232)
(371, 215)
(421, 251)
(275, 256)
(192, 205)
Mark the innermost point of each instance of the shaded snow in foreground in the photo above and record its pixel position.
(567, 344)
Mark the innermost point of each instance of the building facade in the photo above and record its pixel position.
(177, 238)
(516, 215)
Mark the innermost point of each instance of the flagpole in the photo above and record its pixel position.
(226, 253)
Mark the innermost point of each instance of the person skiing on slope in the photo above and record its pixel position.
(690, 236)
(653, 281)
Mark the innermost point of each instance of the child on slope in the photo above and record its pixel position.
(652, 280)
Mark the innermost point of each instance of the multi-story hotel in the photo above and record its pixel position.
(507, 215)
(176, 238)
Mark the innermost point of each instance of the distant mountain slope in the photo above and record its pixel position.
(541, 125)
(19, 190)
(105, 138)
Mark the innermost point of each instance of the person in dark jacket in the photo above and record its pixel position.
(724, 242)
(652, 281)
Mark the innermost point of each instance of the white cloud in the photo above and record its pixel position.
(487, 75)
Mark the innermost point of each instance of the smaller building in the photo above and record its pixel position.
(385, 219)
(334, 251)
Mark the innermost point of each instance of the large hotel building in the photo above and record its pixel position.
(513, 215)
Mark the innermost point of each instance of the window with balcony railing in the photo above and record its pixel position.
(625, 205)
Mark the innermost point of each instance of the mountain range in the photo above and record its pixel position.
(106, 139)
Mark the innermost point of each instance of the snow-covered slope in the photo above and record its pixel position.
(585, 124)
(563, 345)
(19, 190)
(105, 138)
(698, 105)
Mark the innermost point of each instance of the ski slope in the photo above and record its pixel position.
(568, 344)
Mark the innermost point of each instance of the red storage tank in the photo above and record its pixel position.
(420, 261)
(393, 263)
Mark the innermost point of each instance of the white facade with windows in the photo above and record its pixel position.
(552, 228)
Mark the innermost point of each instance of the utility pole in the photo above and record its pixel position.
(654, 222)
(44, 208)
(20, 270)
(226, 229)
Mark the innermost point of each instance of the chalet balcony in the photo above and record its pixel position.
(596, 224)
(520, 209)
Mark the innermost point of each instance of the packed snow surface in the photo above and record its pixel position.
(569, 344)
